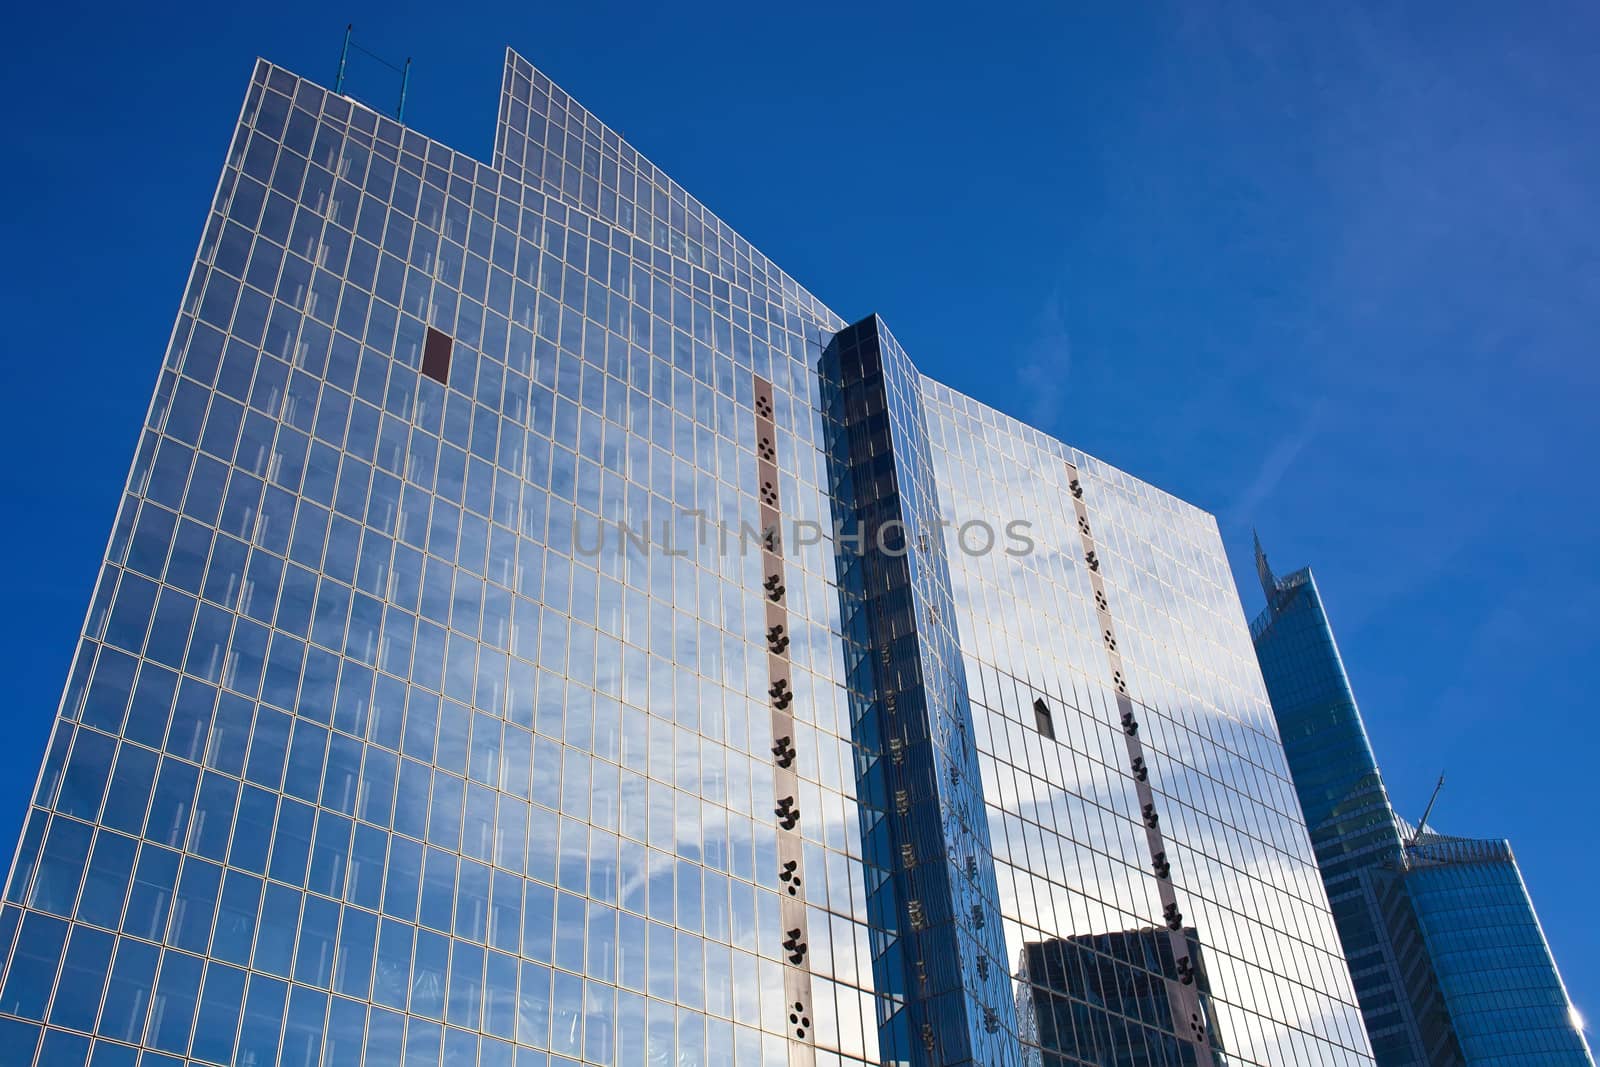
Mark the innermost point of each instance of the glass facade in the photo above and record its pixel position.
(1495, 969)
(537, 632)
(1137, 794)
(1447, 956)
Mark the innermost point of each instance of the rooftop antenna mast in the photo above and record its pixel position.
(344, 57)
(344, 60)
(1423, 822)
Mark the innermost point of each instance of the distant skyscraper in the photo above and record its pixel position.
(1448, 959)
(537, 631)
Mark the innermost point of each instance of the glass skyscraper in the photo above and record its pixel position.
(536, 631)
(1449, 962)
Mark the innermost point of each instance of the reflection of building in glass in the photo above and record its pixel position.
(384, 743)
(1111, 1000)
(1448, 959)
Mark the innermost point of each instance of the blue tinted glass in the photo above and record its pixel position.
(647, 690)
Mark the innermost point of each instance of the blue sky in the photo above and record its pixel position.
(1335, 274)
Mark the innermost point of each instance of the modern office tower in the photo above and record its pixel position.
(1446, 953)
(537, 631)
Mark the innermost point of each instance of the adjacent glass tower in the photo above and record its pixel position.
(1448, 959)
(537, 632)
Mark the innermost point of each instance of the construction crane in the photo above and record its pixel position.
(1423, 822)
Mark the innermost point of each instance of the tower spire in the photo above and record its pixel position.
(1269, 584)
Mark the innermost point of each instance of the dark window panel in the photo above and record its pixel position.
(436, 356)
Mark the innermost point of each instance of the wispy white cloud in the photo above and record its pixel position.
(1044, 368)
(1275, 465)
